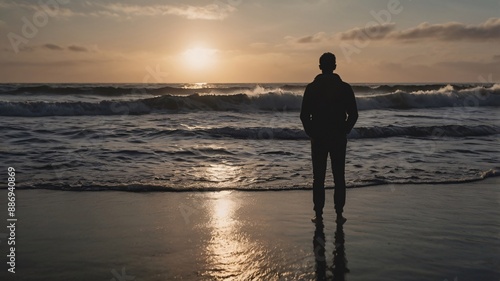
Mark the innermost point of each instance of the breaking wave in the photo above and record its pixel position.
(447, 96)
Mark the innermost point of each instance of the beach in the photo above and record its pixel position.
(175, 182)
(181, 140)
(393, 232)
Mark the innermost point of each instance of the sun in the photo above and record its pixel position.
(199, 57)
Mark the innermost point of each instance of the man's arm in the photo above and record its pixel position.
(306, 111)
(351, 110)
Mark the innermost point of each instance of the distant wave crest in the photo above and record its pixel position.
(447, 96)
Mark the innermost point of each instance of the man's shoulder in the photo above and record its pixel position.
(311, 86)
(344, 85)
(341, 82)
(347, 85)
(322, 81)
(314, 81)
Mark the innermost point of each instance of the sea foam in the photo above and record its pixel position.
(257, 99)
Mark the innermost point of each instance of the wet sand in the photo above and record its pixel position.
(397, 232)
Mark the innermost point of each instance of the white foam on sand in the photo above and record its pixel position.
(398, 232)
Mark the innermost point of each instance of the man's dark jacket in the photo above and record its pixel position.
(328, 107)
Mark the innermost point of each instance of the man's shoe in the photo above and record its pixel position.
(340, 219)
(317, 219)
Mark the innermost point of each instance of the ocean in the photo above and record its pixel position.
(196, 137)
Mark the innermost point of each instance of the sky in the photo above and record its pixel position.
(248, 41)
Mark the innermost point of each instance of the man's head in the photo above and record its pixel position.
(327, 63)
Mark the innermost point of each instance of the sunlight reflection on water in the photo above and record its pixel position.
(227, 248)
(222, 173)
(231, 255)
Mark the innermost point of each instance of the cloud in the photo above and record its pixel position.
(309, 42)
(53, 47)
(43, 6)
(377, 31)
(103, 13)
(214, 11)
(207, 12)
(451, 31)
(75, 48)
(19, 4)
(72, 48)
(316, 38)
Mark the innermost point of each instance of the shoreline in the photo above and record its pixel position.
(393, 232)
(490, 175)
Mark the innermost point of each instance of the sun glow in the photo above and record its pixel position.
(199, 57)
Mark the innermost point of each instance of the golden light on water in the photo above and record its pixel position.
(223, 174)
(230, 254)
(228, 246)
(222, 211)
(195, 86)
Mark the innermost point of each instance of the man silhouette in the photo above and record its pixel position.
(328, 114)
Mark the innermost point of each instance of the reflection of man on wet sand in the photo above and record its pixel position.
(328, 114)
(339, 267)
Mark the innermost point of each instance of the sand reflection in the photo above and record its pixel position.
(339, 268)
(230, 254)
